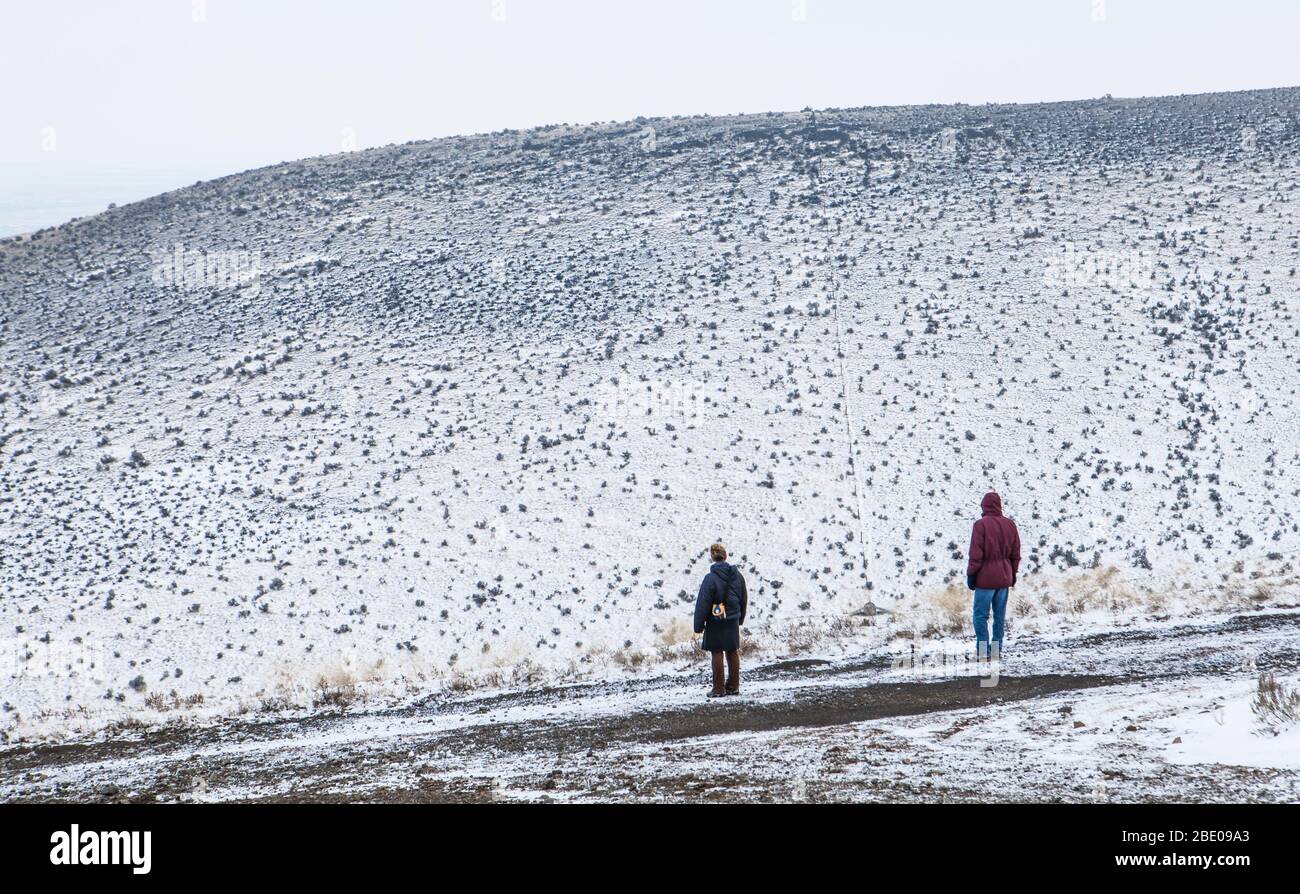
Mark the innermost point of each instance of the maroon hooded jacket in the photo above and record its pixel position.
(994, 547)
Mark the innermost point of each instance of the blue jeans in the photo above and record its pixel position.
(985, 599)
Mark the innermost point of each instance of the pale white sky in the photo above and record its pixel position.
(176, 90)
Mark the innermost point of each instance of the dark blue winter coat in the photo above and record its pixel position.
(724, 583)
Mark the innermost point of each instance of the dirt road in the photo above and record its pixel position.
(886, 728)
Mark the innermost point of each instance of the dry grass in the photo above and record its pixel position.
(1098, 588)
(1104, 589)
(954, 604)
(344, 683)
(272, 704)
(524, 673)
(1276, 704)
(172, 702)
(801, 637)
(335, 696)
(678, 632)
(630, 658)
(677, 643)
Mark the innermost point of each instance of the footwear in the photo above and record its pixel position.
(716, 694)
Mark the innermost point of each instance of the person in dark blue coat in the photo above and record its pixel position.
(719, 612)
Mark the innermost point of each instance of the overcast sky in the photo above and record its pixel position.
(184, 89)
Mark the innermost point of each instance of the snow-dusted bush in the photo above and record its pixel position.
(1276, 704)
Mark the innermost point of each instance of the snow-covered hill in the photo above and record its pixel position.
(480, 404)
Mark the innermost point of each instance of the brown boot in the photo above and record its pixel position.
(719, 688)
(733, 672)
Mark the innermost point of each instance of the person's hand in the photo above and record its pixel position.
(970, 581)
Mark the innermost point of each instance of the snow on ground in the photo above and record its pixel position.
(1169, 719)
(1023, 751)
(466, 413)
(1224, 730)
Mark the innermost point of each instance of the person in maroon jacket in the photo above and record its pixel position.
(994, 563)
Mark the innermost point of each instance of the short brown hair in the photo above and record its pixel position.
(718, 552)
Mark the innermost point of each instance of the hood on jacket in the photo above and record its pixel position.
(723, 570)
(991, 504)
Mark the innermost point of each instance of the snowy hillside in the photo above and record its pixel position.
(482, 403)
